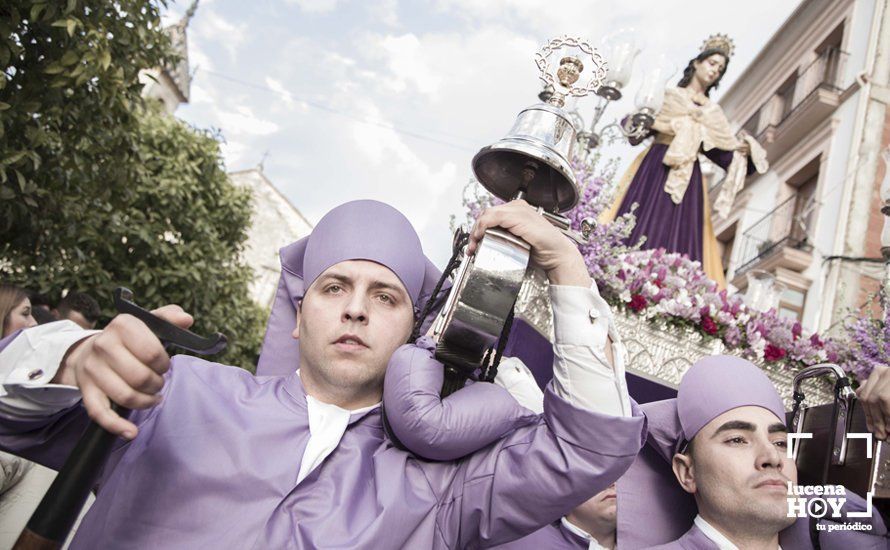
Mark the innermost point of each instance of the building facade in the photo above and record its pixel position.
(813, 98)
(170, 85)
(275, 223)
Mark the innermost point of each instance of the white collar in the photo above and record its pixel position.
(716, 536)
(327, 424)
(334, 409)
(592, 543)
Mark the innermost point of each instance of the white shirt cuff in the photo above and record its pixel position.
(30, 362)
(583, 376)
(515, 377)
(580, 316)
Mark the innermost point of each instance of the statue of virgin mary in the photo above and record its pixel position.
(665, 180)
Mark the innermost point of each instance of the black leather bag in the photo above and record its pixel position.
(832, 456)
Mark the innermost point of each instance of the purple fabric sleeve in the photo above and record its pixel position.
(542, 469)
(450, 428)
(538, 473)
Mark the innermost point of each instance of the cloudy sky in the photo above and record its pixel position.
(390, 99)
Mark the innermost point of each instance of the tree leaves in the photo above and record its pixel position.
(97, 191)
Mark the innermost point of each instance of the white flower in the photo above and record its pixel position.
(758, 346)
(724, 317)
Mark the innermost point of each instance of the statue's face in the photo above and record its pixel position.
(708, 70)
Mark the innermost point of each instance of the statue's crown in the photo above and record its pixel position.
(719, 42)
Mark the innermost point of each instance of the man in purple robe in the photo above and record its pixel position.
(213, 457)
(723, 443)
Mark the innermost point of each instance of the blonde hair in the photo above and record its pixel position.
(10, 297)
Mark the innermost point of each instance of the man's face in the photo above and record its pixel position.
(738, 470)
(352, 318)
(78, 318)
(600, 511)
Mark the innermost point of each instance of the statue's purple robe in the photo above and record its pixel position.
(674, 227)
(215, 466)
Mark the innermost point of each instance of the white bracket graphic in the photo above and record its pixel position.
(868, 448)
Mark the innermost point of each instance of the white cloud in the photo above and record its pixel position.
(408, 64)
(403, 168)
(284, 94)
(198, 95)
(236, 154)
(385, 11)
(242, 122)
(212, 27)
(315, 6)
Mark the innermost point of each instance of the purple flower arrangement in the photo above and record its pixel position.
(670, 287)
(867, 344)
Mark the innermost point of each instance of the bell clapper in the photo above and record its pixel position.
(529, 171)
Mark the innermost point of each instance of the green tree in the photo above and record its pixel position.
(98, 190)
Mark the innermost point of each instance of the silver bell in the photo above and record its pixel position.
(532, 162)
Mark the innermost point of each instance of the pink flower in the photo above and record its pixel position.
(816, 341)
(708, 325)
(773, 353)
(637, 303)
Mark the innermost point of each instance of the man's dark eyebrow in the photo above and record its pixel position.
(778, 427)
(337, 277)
(735, 425)
(375, 285)
(387, 286)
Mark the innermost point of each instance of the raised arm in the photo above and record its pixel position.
(589, 432)
(586, 371)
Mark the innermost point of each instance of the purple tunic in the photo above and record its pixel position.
(215, 465)
(694, 539)
(674, 227)
(797, 537)
(552, 537)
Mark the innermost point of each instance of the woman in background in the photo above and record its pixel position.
(15, 309)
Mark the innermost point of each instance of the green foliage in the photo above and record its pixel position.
(97, 191)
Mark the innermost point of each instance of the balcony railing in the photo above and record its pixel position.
(784, 226)
(826, 72)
